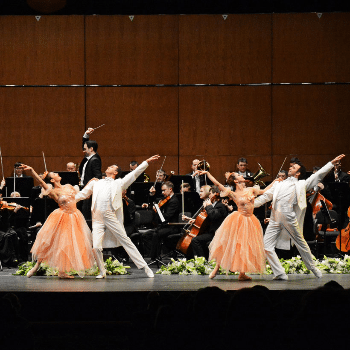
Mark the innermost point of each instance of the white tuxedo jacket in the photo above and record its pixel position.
(110, 240)
(301, 186)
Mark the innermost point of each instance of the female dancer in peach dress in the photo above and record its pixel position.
(64, 242)
(238, 243)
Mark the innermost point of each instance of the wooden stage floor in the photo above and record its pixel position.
(137, 281)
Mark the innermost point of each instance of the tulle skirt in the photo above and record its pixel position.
(65, 242)
(238, 244)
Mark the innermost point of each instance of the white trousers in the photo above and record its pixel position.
(278, 221)
(108, 220)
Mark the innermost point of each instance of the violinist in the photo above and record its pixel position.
(170, 209)
(15, 220)
(216, 213)
(156, 190)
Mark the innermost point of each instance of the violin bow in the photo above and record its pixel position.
(99, 127)
(183, 198)
(2, 166)
(161, 168)
(281, 168)
(44, 162)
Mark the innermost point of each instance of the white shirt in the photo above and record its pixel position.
(104, 196)
(286, 196)
(198, 182)
(83, 171)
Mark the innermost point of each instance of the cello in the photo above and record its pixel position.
(343, 240)
(191, 230)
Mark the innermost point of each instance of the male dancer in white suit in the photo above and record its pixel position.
(288, 211)
(107, 214)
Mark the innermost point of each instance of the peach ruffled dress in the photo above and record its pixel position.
(238, 243)
(65, 241)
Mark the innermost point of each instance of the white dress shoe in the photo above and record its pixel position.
(149, 272)
(317, 272)
(101, 275)
(283, 277)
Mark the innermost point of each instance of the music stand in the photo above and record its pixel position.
(340, 192)
(69, 177)
(23, 185)
(192, 202)
(177, 181)
(139, 192)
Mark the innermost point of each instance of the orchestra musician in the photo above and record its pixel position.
(216, 212)
(170, 209)
(71, 167)
(143, 177)
(198, 180)
(172, 240)
(242, 165)
(185, 187)
(156, 190)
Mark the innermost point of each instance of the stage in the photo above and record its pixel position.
(137, 281)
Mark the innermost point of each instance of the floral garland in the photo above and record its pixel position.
(200, 266)
(113, 267)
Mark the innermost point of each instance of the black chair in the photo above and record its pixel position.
(327, 217)
(171, 253)
(144, 225)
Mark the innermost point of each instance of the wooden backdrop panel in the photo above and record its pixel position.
(44, 52)
(140, 122)
(219, 121)
(232, 51)
(121, 51)
(311, 120)
(311, 49)
(36, 120)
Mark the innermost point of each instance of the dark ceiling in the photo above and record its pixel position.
(146, 7)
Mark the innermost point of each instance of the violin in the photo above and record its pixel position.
(126, 199)
(162, 202)
(343, 240)
(10, 206)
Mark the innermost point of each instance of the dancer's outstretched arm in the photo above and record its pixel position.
(214, 181)
(34, 173)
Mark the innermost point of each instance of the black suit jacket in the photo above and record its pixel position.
(216, 215)
(343, 177)
(201, 181)
(171, 210)
(93, 168)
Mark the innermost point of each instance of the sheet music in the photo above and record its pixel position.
(159, 213)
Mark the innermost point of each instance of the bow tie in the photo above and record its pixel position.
(292, 179)
(108, 179)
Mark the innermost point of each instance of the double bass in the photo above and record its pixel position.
(343, 240)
